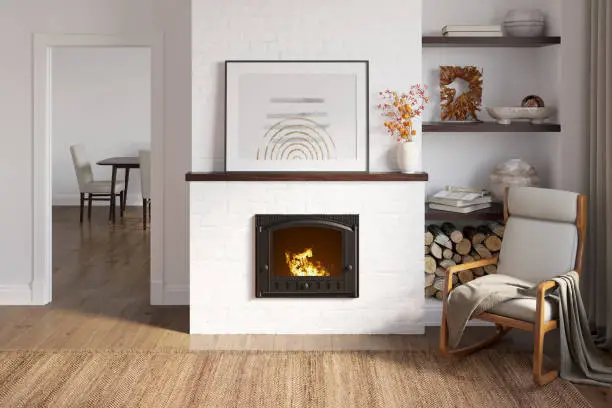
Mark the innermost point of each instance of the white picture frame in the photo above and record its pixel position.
(296, 116)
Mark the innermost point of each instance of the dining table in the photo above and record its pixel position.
(127, 163)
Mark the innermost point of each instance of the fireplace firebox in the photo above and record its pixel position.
(307, 255)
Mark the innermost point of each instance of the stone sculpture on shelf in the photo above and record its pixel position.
(512, 173)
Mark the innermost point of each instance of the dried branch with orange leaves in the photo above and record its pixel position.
(400, 109)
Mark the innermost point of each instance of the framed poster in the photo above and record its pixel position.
(296, 116)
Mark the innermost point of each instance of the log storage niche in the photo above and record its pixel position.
(446, 245)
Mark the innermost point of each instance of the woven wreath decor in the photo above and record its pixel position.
(464, 106)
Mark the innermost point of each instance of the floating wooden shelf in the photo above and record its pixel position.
(495, 213)
(310, 176)
(515, 127)
(505, 42)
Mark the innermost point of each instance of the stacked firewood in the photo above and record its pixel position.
(447, 245)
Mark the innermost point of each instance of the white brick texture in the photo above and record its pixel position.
(385, 32)
(222, 288)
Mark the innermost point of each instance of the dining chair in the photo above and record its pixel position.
(145, 184)
(91, 189)
(544, 238)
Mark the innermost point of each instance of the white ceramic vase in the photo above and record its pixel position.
(409, 157)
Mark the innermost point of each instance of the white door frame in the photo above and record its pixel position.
(41, 284)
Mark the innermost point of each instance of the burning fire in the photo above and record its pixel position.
(301, 265)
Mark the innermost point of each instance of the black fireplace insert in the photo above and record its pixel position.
(307, 255)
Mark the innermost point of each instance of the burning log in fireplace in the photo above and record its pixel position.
(301, 265)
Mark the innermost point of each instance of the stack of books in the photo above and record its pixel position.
(460, 200)
(472, 31)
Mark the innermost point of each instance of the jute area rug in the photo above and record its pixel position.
(266, 379)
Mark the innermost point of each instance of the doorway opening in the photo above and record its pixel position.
(97, 98)
(100, 127)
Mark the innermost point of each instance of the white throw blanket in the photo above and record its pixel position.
(579, 360)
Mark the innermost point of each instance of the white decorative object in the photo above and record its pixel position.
(524, 15)
(525, 23)
(409, 157)
(505, 115)
(472, 31)
(512, 173)
(296, 116)
(524, 30)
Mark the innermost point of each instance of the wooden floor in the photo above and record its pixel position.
(101, 301)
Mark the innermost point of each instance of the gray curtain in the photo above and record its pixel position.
(598, 277)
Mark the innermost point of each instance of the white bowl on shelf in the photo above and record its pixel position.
(525, 23)
(524, 29)
(505, 115)
(524, 15)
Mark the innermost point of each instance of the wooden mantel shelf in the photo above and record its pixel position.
(310, 176)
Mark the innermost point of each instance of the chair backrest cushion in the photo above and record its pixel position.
(536, 250)
(145, 173)
(543, 204)
(82, 167)
(541, 238)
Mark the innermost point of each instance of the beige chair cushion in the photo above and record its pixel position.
(101, 187)
(145, 173)
(543, 204)
(540, 242)
(82, 167)
(535, 250)
(525, 309)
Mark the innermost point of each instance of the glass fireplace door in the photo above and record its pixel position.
(307, 255)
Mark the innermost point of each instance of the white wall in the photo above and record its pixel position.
(385, 32)
(20, 20)
(101, 98)
(510, 74)
(571, 164)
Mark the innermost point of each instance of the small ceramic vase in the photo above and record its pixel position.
(409, 157)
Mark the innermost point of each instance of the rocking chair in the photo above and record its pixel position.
(544, 237)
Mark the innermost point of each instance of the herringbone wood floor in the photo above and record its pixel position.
(101, 301)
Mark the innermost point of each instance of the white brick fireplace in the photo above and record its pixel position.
(222, 224)
(222, 257)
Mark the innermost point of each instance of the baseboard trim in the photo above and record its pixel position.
(169, 295)
(15, 295)
(411, 330)
(157, 293)
(176, 295)
(432, 315)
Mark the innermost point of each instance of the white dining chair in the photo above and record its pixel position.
(145, 184)
(91, 189)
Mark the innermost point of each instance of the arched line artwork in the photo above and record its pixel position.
(291, 145)
(297, 138)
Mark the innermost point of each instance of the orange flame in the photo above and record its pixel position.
(301, 265)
